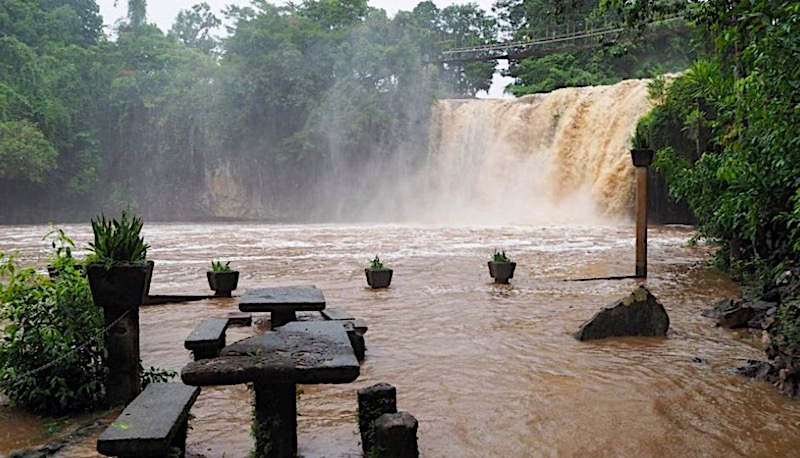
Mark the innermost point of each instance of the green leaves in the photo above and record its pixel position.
(376, 264)
(220, 268)
(25, 152)
(51, 357)
(500, 256)
(118, 241)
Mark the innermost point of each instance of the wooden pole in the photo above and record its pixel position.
(641, 222)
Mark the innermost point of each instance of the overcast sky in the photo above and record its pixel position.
(163, 12)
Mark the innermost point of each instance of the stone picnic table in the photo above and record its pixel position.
(282, 302)
(306, 352)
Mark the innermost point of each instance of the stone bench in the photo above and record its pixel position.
(207, 339)
(153, 425)
(355, 327)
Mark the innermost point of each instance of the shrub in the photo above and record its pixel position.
(52, 352)
(118, 241)
(788, 333)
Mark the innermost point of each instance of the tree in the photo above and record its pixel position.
(194, 28)
(593, 61)
(25, 153)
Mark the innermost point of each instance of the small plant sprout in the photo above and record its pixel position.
(376, 264)
(500, 256)
(62, 245)
(220, 268)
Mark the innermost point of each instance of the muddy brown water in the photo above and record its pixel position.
(488, 370)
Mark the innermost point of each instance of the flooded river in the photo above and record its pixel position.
(488, 370)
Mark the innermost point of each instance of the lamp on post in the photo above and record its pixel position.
(642, 158)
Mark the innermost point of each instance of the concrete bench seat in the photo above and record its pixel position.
(355, 327)
(153, 425)
(207, 339)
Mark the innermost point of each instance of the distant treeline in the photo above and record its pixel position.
(298, 109)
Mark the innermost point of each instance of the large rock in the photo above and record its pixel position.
(733, 314)
(638, 314)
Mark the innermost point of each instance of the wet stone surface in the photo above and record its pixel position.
(638, 314)
(299, 352)
(288, 298)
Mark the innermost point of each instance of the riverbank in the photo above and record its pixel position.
(770, 313)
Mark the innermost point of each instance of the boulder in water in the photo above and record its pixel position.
(638, 314)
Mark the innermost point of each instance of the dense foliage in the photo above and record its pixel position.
(735, 161)
(301, 97)
(51, 357)
(630, 53)
(728, 137)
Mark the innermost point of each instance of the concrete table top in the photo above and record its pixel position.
(306, 352)
(283, 298)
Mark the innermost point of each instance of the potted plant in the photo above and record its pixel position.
(222, 278)
(641, 153)
(501, 268)
(117, 269)
(378, 276)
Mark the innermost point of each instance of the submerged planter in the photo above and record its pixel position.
(223, 282)
(502, 271)
(119, 286)
(378, 278)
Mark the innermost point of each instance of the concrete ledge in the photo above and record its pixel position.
(152, 424)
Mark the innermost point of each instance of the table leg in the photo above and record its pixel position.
(275, 426)
(279, 318)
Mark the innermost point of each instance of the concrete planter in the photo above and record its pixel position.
(642, 157)
(121, 286)
(378, 278)
(223, 282)
(502, 271)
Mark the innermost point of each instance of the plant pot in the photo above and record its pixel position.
(119, 286)
(223, 282)
(642, 157)
(150, 265)
(502, 271)
(378, 278)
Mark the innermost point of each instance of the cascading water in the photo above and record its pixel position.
(560, 157)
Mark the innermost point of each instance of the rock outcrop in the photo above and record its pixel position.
(638, 314)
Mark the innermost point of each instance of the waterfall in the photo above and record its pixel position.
(554, 158)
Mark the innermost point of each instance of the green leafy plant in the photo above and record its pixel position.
(154, 375)
(52, 351)
(500, 256)
(62, 245)
(117, 241)
(61, 257)
(219, 268)
(640, 138)
(376, 264)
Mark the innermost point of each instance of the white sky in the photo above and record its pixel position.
(163, 12)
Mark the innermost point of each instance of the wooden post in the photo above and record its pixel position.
(642, 158)
(641, 222)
